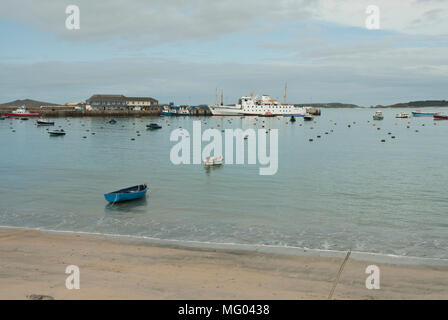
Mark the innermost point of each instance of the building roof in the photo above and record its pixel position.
(118, 97)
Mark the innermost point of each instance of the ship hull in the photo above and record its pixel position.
(22, 115)
(217, 111)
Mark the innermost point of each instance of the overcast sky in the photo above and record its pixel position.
(180, 51)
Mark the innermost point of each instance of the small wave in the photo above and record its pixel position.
(262, 248)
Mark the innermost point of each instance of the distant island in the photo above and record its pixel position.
(417, 104)
(327, 105)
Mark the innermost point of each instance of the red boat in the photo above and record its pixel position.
(21, 113)
(440, 117)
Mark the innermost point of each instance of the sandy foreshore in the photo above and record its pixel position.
(33, 262)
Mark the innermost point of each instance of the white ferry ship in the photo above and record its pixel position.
(254, 106)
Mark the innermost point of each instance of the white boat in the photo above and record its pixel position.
(213, 161)
(378, 115)
(254, 106)
(183, 111)
(403, 115)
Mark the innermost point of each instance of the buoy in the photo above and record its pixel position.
(310, 139)
(383, 140)
(318, 136)
(393, 137)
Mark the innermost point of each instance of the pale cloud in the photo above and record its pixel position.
(408, 17)
(408, 63)
(158, 21)
(364, 78)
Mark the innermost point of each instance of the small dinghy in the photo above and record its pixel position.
(153, 126)
(132, 193)
(42, 122)
(112, 121)
(213, 161)
(57, 132)
(2, 118)
(292, 119)
(308, 118)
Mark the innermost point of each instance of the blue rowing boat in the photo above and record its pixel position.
(127, 194)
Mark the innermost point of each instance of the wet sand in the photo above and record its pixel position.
(33, 262)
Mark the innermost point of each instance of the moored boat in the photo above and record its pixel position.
(213, 161)
(292, 119)
(21, 112)
(2, 118)
(308, 118)
(42, 122)
(378, 115)
(153, 126)
(423, 114)
(440, 117)
(403, 115)
(57, 132)
(112, 121)
(127, 194)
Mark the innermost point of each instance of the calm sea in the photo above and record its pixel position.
(345, 190)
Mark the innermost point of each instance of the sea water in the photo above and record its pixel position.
(346, 190)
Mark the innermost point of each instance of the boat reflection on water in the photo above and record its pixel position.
(208, 169)
(137, 206)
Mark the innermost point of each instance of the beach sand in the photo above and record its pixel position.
(33, 262)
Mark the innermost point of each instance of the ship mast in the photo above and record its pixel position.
(216, 97)
(284, 96)
(222, 97)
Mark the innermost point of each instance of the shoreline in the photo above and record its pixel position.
(34, 262)
(362, 256)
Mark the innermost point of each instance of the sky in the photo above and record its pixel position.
(181, 51)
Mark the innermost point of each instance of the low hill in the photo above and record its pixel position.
(328, 105)
(418, 104)
(27, 103)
